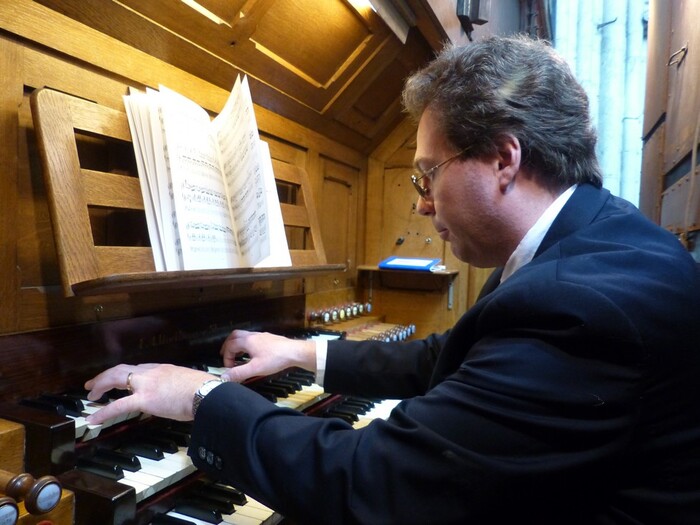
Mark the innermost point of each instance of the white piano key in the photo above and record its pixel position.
(380, 410)
(144, 484)
(251, 511)
(239, 519)
(86, 431)
(298, 400)
(181, 464)
(195, 521)
(142, 490)
(91, 432)
(81, 426)
(161, 469)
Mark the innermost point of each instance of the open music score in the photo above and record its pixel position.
(208, 185)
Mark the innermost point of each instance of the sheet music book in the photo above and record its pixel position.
(208, 186)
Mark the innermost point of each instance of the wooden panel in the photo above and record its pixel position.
(658, 44)
(399, 306)
(69, 213)
(11, 446)
(111, 190)
(680, 205)
(652, 175)
(295, 215)
(335, 37)
(683, 109)
(114, 260)
(338, 213)
(10, 100)
(404, 231)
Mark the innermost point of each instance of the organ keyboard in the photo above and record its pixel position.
(135, 470)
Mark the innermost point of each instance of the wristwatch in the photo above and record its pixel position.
(201, 393)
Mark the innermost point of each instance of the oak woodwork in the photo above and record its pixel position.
(11, 446)
(327, 65)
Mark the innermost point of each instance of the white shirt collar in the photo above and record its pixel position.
(527, 247)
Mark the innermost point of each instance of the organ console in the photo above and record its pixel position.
(135, 469)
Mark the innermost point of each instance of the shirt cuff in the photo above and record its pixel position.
(321, 353)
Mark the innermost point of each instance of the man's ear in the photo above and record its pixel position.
(508, 157)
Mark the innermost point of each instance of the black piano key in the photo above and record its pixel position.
(43, 404)
(300, 378)
(220, 501)
(349, 408)
(164, 519)
(277, 383)
(350, 418)
(360, 404)
(235, 495)
(116, 393)
(267, 395)
(125, 460)
(166, 445)
(180, 426)
(270, 389)
(143, 449)
(100, 467)
(294, 385)
(108, 396)
(302, 374)
(74, 407)
(196, 509)
(182, 439)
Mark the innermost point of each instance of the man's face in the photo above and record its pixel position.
(464, 200)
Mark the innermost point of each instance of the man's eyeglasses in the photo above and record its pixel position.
(419, 174)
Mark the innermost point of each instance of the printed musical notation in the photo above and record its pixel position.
(212, 178)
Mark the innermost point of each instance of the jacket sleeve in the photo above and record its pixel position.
(379, 369)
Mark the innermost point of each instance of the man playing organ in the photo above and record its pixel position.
(566, 394)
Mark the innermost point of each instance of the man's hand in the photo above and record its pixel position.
(268, 353)
(160, 390)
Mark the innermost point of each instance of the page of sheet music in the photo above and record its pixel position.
(170, 235)
(279, 250)
(139, 125)
(199, 194)
(237, 134)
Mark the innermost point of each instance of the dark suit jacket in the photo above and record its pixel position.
(569, 394)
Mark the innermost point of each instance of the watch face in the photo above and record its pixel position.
(208, 387)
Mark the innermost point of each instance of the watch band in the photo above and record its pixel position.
(202, 392)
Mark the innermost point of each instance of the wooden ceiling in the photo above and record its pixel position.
(329, 65)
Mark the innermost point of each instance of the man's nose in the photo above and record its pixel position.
(425, 206)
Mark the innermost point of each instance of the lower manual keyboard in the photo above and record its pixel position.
(215, 503)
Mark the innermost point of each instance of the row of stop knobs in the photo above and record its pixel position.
(386, 332)
(339, 313)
